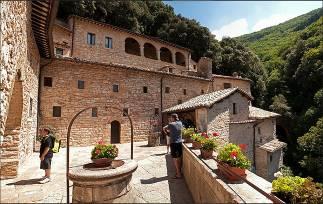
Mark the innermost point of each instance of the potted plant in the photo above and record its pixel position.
(187, 133)
(208, 146)
(232, 161)
(197, 139)
(103, 154)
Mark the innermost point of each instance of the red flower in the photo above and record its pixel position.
(204, 134)
(243, 146)
(234, 154)
(100, 141)
(215, 134)
(97, 151)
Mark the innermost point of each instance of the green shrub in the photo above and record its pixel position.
(187, 132)
(209, 144)
(197, 137)
(102, 150)
(232, 155)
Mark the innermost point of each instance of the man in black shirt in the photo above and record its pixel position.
(46, 153)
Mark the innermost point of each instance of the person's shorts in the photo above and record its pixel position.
(46, 163)
(168, 140)
(176, 150)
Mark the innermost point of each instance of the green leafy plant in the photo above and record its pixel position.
(102, 150)
(187, 132)
(209, 144)
(233, 155)
(197, 137)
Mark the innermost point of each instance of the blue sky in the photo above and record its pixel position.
(235, 18)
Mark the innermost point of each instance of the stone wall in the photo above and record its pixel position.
(98, 81)
(219, 80)
(266, 131)
(19, 85)
(62, 38)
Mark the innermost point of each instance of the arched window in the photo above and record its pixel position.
(180, 59)
(132, 46)
(165, 55)
(150, 51)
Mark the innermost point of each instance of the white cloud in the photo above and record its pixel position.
(270, 21)
(233, 29)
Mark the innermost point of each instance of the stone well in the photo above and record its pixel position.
(103, 185)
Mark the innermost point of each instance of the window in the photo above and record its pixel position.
(194, 66)
(226, 85)
(184, 91)
(171, 70)
(259, 130)
(202, 91)
(234, 108)
(179, 101)
(156, 111)
(271, 158)
(48, 81)
(80, 84)
(30, 107)
(90, 38)
(145, 89)
(56, 111)
(115, 88)
(59, 51)
(260, 140)
(125, 112)
(94, 112)
(108, 42)
(167, 90)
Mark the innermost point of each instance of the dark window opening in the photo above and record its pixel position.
(145, 89)
(165, 55)
(167, 90)
(150, 51)
(171, 70)
(156, 111)
(132, 46)
(226, 85)
(59, 51)
(259, 131)
(234, 108)
(30, 107)
(108, 42)
(115, 88)
(91, 38)
(184, 91)
(179, 101)
(125, 112)
(180, 59)
(194, 66)
(80, 84)
(56, 111)
(48, 81)
(202, 91)
(271, 158)
(94, 112)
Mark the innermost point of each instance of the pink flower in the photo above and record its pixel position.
(234, 154)
(243, 146)
(97, 151)
(215, 134)
(100, 141)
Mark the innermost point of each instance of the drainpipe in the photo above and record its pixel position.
(254, 142)
(72, 46)
(161, 99)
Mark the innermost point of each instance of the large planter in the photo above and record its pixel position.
(206, 154)
(196, 145)
(102, 162)
(231, 173)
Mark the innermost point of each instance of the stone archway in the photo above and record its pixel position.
(115, 132)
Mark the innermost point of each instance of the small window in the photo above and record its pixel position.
(194, 66)
(125, 112)
(234, 108)
(80, 84)
(179, 101)
(56, 111)
(108, 42)
(271, 158)
(260, 140)
(226, 85)
(115, 88)
(90, 38)
(171, 70)
(184, 91)
(94, 112)
(167, 90)
(145, 89)
(259, 131)
(30, 107)
(48, 81)
(202, 91)
(156, 111)
(59, 51)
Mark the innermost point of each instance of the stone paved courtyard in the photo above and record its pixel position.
(152, 181)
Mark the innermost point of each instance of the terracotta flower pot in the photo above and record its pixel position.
(206, 154)
(231, 173)
(196, 145)
(102, 162)
(188, 140)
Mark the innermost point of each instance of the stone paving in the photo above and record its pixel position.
(152, 181)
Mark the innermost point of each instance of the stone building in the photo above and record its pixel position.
(50, 70)
(229, 113)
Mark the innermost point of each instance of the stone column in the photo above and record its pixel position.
(142, 53)
(158, 53)
(174, 57)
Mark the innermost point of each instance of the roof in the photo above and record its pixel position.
(231, 77)
(206, 100)
(242, 122)
(42, 18)
(258, 113)
(273, 145)
(131, 32)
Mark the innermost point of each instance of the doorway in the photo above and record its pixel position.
(115, 132)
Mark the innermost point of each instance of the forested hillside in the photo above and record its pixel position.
(287, 74)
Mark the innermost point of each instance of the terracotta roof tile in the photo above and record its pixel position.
(273, 145)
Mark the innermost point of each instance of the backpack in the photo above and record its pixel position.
(56, 144)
